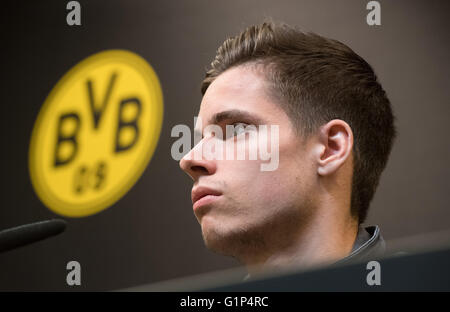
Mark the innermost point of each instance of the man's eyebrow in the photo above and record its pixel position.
(236, 114)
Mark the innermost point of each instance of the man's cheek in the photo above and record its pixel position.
(263, 187)
(241, 171)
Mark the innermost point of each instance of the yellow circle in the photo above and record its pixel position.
(96, 133)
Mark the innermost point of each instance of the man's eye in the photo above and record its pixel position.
(236, 129)
(239, 128)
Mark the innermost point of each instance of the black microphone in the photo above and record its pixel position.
(30, 233)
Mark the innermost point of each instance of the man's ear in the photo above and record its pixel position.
(336, 144)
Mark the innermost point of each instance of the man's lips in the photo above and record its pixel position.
(202, 195)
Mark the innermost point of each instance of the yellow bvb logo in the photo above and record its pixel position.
(96, 133)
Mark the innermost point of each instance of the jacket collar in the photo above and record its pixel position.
(369, 244)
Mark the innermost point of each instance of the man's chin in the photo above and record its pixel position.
(218, 240)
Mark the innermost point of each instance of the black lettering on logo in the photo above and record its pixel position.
(66, 138)
(121, 124)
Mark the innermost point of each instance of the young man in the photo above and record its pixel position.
(336, 130)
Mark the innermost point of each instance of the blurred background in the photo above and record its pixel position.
(151, 233)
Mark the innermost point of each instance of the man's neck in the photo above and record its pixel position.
(325, 239)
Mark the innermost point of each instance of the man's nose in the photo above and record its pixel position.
(195, 165)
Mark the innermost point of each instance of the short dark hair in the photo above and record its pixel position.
(317, 79)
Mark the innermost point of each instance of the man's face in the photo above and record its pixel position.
(251, 206)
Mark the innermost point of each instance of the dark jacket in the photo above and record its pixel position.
(369, 245)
